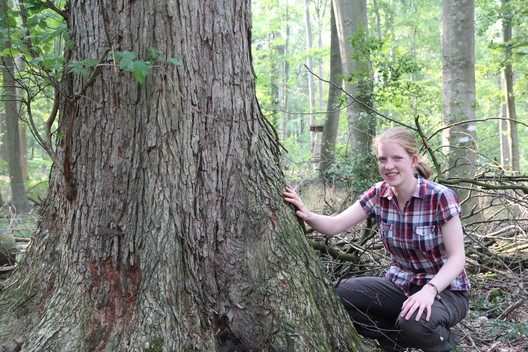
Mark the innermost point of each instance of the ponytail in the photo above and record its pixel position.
(423, 169)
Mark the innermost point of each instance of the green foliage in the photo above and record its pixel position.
(82, 67)
(127, 62)
(353, 172)
(298, 161)
(395, 90)
(280, 55)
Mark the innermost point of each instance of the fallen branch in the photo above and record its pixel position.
(334, 253)
(511, 308)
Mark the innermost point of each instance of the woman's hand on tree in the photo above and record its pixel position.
(290, 196)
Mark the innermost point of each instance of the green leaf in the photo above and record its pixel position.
(75, 66)
(173, 61)
(126, 65)
(36, 61)
(11, 21)
(50, 61)
(154, 54)
(141, 69)
(71, 44)
(89, 62)
(119, 55)
(10, 52)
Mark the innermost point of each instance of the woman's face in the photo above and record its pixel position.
(395, 165)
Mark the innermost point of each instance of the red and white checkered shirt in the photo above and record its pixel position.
(413, 236)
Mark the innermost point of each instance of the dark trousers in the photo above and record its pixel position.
(374, 304)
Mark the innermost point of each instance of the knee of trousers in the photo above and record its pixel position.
(412, 328)
(424, 334)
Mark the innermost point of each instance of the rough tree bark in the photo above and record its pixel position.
(167, 228)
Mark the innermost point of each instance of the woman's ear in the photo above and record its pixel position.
(414, 160)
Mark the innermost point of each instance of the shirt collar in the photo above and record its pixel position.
(419, 191)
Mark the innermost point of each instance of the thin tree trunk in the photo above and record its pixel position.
(504, 139)
(458, 48)
(9, 98)
(508, 87)
(4, 152)
(168, 228)
(309, 64)
(318, 8)
(331, 125)
(378, 19)
(351, 18)
(23, 130)
(285, 99)
(24, 150)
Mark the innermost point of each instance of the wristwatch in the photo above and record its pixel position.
(435, 288)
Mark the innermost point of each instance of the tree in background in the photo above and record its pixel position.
(331, 124)
(9, 99)
(512, 140)
(164, 226)
(502, 78)
(309, 64)
(275, 44)
(19, 65)
(352, 27)
(458, 77)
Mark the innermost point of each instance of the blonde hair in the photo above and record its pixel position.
(407, 141)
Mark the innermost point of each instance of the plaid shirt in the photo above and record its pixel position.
(414, 237)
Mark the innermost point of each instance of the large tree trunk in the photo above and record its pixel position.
(167, 227)
(9, 99)
(458, 68)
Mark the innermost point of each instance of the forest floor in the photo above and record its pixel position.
(498, 316)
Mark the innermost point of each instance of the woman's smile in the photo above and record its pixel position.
(395, 165)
